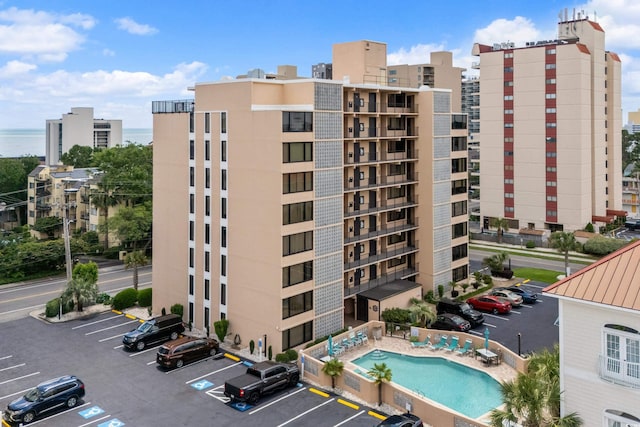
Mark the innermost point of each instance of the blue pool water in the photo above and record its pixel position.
(463, 389)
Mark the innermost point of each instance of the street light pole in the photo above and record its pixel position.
(67, 243)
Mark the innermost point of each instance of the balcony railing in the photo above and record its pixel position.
(370, 234)
(382, 206)
(353, 157)
(387, 278)
(381, 256)
(620, 372)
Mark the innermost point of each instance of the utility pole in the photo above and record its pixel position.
(67, 243)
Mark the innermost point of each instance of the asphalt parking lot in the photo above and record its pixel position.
(128, 388)
(529, 328)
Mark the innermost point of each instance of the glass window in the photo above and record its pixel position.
(298, 273)
(297, 335)
(459, 230)
(223, 122)
(207, 150)
(207, 122)
(207, 289)
(297, 212)
(297, 121)
(297, 304)
(297, 182)
(459, 208)
(296, 243)
(192, 149)
(223, 150)
(459, 252)
(293, 152)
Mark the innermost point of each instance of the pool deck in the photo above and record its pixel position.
(501, 372)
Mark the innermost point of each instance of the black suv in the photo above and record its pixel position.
(157, 330)
(462, 309)
(63, 392)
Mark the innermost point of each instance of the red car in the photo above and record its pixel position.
(489, 303)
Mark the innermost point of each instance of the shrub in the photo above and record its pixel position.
(601, 246)
(221, 326)
(282, 357)
(440, 291)
(486, 278)
(144, 297)
(270, 353)
(292, 355)
(177, 309)
(125, 298)
(252, 346)
(103, 298)
(589, 228)
(396, 315)
(428, 297)
(531, 244)
(52, 308)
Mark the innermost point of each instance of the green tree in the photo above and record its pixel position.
(13, 183)
(501, 225)
(87, 271)
(421, 312)
(381, 373)
(564, 242)
(533, 398)
(134, 260)
(49, 225)
(78, 156)
(103, 199)
(133, 227)
(495, 262)
(81, 290)
(333, 368)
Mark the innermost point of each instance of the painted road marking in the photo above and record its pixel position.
(12, 367)
(110, 327)
(375, 414)
(211, 373)
(97, 420)
(286, 396)
(201, 385)
(349, 404)
(306, 412)
(91, 412)
(216, 393)
(93, 323)
(19, 378)
(113, 423)
(318, 392)
(350, 418)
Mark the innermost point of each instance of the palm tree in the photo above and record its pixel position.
(333, 368)
(381, 374)
(533, 398)
(134, 260)
(564, 242)
(81, 290)
(421, 312)
(102, 199)
(501, 225)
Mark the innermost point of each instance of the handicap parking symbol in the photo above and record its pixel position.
(91, 412)
(112, 423)
(202, 385)
(240, 406)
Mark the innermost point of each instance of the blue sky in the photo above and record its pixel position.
(118, 56)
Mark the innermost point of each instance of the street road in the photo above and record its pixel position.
(19, 299)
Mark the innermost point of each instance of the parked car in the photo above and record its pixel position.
(62, 392)
(450, 322)
(261, 378)
(404, 420)
(157, 330)
(490, 304)
(507, 296)
(462, 309)
(174, 354)
(528, 297)
(632, 224)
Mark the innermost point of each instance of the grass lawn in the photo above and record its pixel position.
(537, 274)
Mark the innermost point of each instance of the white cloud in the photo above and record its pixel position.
(418, 54)
(16, 69)
(44, 36)
(518, 30)
(129, 25)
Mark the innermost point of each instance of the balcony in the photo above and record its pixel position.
(370, 234)
(353, 157)
(378, 181)
(386, 205)
(365, 132)
(387, 278)
(365, 107)
(616, 371)
(382, 256)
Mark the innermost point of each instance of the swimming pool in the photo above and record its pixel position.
(463, 389)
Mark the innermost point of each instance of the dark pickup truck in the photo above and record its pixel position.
(261, 378)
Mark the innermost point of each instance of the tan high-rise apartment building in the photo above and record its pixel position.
(80, 128)
(550, 125)
(282, 204)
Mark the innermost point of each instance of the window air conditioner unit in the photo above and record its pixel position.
(350, 204)
(350, 229)
(350, 179)
(350, 278)
(350, 130)
(350, 154)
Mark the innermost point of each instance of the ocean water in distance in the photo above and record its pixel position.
(21, 142)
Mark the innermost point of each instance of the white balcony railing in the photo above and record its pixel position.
(620, 372)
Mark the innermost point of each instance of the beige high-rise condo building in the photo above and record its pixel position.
(550, 125)
(80, 128)
(289, 205)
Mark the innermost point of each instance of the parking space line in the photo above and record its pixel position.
(111, 338)
(286, 396)
(306, 412)
(214, 372)
(350, 418)
(148, 349)
(93, 323)
(14, 394)
(6, 357)
(60, 413)
(12, 367)
(19, 378)
(110, 327)
(95, 421)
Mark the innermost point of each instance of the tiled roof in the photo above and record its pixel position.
(614, 280)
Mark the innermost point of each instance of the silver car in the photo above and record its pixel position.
(507, 296)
